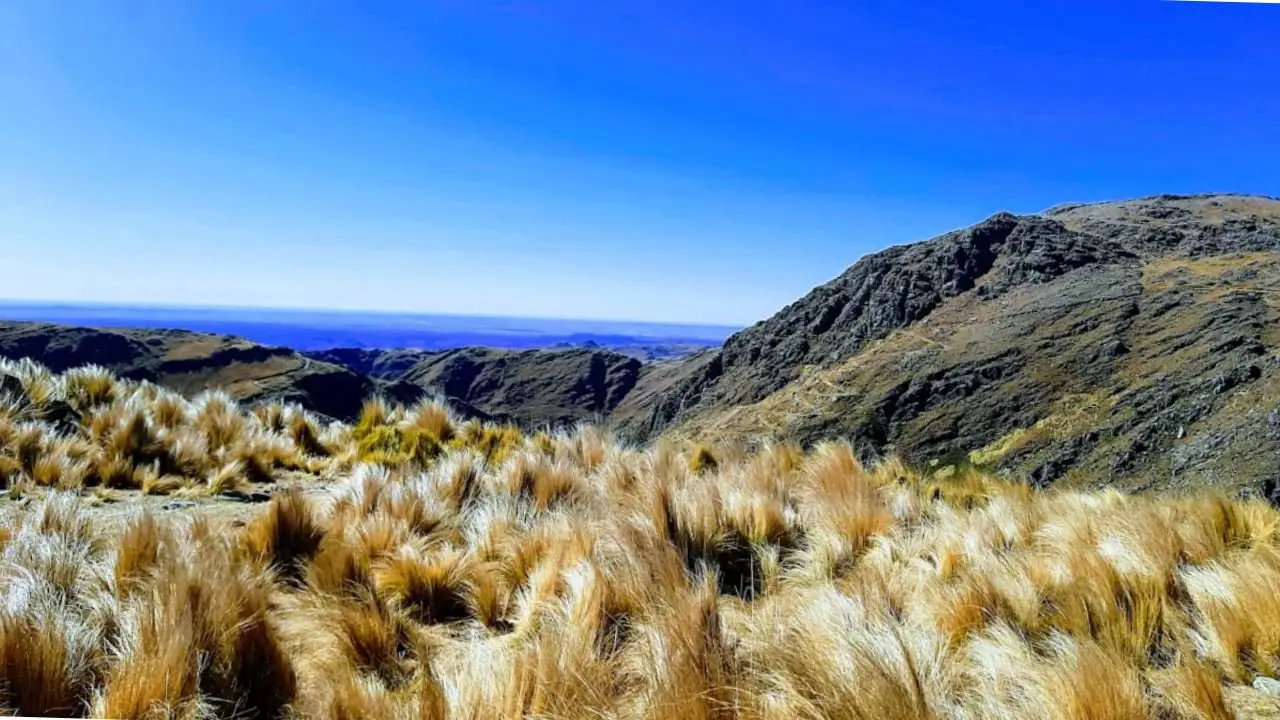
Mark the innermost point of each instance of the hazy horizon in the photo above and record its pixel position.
(7, 303)
(659, 162)
(318, 329)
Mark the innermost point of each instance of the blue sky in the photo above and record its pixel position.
(674, 161)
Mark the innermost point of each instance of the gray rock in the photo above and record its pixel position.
(1202, 449)
(1267, 685)
(245, 497)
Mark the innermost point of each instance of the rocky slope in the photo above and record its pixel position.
(1133, 343)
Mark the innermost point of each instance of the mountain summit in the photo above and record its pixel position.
(1132, 343)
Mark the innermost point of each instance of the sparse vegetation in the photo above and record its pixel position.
(435, 568)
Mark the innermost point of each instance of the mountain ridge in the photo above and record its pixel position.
(942, 348)
(531, 388)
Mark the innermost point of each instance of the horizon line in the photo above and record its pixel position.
(143, 305)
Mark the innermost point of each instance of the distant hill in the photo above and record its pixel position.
(530, 388)
(190, 362)
(1132, 342)
(380, 364)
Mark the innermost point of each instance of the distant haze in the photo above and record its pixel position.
(321, 329)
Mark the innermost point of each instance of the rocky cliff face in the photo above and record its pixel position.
(1131, 342)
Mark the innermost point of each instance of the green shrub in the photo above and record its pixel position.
(390, 445)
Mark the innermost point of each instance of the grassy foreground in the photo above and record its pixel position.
(441, 569)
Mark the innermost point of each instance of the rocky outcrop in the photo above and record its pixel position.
(882, 293)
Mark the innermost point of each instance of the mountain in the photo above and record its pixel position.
(1132, 343)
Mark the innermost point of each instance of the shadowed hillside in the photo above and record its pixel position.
(529, 387)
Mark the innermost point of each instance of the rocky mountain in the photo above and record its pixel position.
(1133, 343)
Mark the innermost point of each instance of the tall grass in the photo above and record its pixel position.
(566, 576)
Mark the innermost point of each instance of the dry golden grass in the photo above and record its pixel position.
(137, 436)
(565, 576)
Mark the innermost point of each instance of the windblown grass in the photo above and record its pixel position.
(566, 576)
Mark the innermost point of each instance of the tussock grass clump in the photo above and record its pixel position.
(461, 570)
(285, 536)
(305, 432)
(89, 387)
(38, 386)
(86, 428)
(407, 438)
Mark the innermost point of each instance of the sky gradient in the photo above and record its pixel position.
(665, 161)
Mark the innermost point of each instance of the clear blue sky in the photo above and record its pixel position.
(651, 160)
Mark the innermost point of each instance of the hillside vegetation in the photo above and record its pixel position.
(413, 565)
